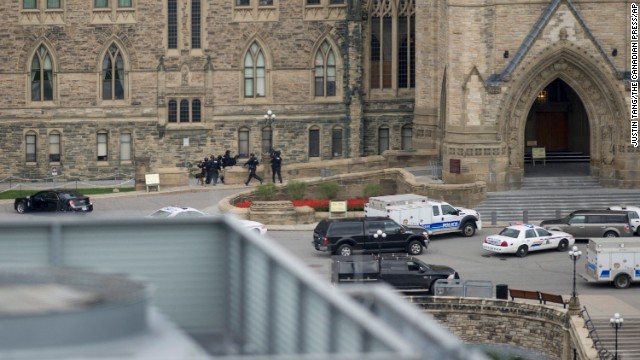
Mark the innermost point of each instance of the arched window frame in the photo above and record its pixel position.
(55, 146)
(113, 72)
(255, 67)
(196, 110)
(184, 111)
(42, 73)
(243, 141)
(326, 71)
(172, 111)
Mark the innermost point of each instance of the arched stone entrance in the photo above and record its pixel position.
(597, 91)
(558, 123)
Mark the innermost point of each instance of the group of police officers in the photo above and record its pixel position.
(214, 167)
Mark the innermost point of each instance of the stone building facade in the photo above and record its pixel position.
(88, 87)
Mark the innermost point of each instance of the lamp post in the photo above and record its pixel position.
(574, 302)
(380, 234)
(616, 323)
(269, 117)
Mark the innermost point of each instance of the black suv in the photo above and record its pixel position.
(370, 234)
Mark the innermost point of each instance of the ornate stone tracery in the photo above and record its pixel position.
(589, 83)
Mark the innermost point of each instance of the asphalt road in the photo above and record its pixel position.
(548, 271)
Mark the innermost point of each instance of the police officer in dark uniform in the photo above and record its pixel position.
(252, 163)
(215, 169)
(276, 164)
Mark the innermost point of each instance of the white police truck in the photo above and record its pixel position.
(613, 260)
(437, 217)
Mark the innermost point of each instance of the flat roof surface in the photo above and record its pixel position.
(43, 298)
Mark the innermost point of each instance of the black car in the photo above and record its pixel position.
(54, 200)
(400, 271)
(369, 234)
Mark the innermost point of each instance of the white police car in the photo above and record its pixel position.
(520, 239)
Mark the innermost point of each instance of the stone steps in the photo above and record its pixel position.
(550, 198)
(628, 336)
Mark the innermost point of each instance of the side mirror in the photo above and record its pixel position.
(422, 269)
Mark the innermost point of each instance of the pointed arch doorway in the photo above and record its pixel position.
(558, 122)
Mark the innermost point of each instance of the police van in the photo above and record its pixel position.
(614, 261)
(437, 217)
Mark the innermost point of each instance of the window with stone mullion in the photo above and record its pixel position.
(172, 24)
(195, 24)
(254, 72)
(41, 75)
(113, 75)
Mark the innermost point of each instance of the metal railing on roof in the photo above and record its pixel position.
(250, 297)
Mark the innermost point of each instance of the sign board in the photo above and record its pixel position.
(532, 143)
(339, 207)
(185, 141)
(152, 179)
(454, 166)
(538, 153)
(54, 171)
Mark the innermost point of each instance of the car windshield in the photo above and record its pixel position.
(160, 214)
(512, 233)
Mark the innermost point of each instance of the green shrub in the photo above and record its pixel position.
(372, 190)
(296, 189)
(266, 192)
(329, 190)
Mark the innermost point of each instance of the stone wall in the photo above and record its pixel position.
(542, 329)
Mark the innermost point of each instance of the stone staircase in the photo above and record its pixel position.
(542, 198)
(560, 157)
(628, 336)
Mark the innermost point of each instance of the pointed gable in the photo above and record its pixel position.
(561, 20)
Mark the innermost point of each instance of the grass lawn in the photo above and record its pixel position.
(12, 194)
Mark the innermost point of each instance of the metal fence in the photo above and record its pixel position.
(117, 180)
(468, 288)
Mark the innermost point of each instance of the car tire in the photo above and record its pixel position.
(468, 229)
(563, 245)
(610, 234)
(21, 207)
(345, 250)
(414, 247)
(522, 251)
(622, 281)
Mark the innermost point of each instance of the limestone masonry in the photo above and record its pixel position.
(89, 87)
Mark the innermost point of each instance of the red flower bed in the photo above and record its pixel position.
(317, 204)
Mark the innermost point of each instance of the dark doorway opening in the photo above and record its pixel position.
(558, 122)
